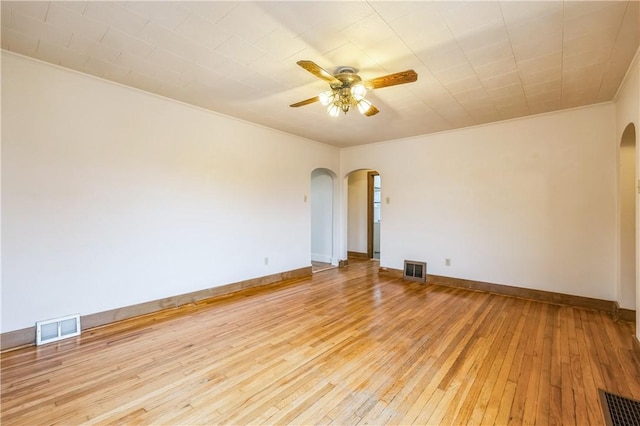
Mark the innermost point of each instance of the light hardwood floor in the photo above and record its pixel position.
(320, 266)
(346, 346)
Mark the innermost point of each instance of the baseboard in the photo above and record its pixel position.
(27, 336)
(392, 273)
(626, 314)
(608, 306)
(357, 255)
(18, 338)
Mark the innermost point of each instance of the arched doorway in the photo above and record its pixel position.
(627, 218)
(363, 214)
(322, 219)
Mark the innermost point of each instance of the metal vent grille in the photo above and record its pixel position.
(415, 271)
(57, 329)
(618, 410)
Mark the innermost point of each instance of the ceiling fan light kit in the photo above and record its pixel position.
(348, 89)
(342, 99)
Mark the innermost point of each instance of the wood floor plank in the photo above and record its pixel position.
(497, 398)
(345, 346)
(590, 373)
(475, 405)
(522, 369)
(555, 352)
(532, 406)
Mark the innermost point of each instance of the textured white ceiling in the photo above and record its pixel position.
(477, 62)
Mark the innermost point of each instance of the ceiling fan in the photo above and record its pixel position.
(348, 89)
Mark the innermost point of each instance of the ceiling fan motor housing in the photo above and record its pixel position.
(347, 77)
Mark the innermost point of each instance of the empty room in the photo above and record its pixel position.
(320, 212)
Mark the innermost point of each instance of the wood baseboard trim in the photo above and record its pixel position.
(391, 273)
(526, 293)
(636, 345)
(357, 255)
(608, 306)
(18, 338)
(627, 314)
(26, 336)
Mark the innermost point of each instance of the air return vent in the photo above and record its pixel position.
(415, 271)
(57, 329)
(618, 410)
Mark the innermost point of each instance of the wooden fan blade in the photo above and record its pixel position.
(305, 102)
(408, 76)
(318, 71)
(372, 111)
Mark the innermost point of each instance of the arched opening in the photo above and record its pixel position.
(627, 218)
(363, 214)
(373, 214)
(322, 219)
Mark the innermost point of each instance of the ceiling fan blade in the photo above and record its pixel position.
(408, 76)
(305, 102)
(371, 111)
(318, 71)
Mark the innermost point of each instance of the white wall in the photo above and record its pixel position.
(112, 197)
(357, 212)
(322, 207)
(528, 202)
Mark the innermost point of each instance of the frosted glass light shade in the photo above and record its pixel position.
(358, 92)
(326, 98)
(363, 106)
(334, 110)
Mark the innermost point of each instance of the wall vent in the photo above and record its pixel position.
(415, 271)
(57, 329)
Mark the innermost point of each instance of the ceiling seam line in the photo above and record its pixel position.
(418, 58)
(515, 60)
(626, 8)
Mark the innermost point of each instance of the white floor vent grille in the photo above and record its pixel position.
(415, 271)
(57, 329)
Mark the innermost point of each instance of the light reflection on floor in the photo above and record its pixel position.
(320, 266)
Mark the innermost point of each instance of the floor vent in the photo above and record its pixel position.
(415, 271)
(57, 329)
(618, 410)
